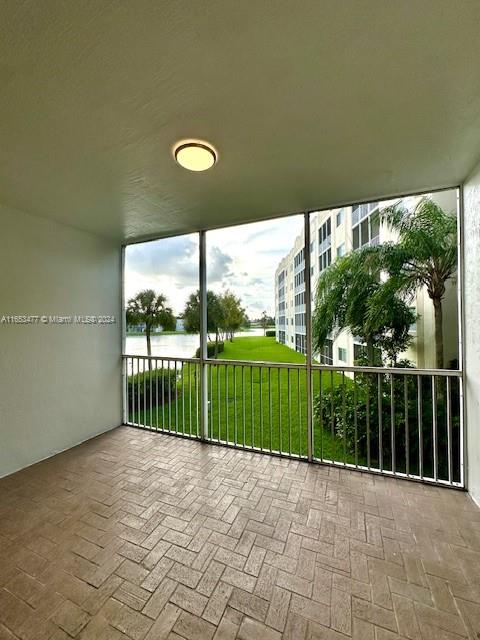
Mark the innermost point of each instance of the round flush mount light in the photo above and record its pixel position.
(195, 155)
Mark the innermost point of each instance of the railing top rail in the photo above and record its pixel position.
(165, 358)
(446, 373)
(258, 363)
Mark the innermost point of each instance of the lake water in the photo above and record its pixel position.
(182, 345)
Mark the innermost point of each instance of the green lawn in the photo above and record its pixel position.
(261, 349)
(248, 405)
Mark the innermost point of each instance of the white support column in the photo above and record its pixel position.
(203, 338)
(123, 321)
(308, 337)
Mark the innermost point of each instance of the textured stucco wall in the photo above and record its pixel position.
(472, 328)
(59, 385)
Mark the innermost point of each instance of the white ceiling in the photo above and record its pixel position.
(309, 103)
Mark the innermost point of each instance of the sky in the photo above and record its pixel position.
(242, 259)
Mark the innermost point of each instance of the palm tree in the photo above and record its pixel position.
(424, 256)
(345, 299)
(150, 308)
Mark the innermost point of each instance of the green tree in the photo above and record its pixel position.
(233, 314)
(149, 308)
(191, 315)
(345, 299)
(424, 256)
(264, 322)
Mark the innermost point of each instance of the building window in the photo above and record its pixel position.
(326, 354)
(341, 250)
(325, 235)
(300, 343)
(342, 354)
(365, 227)
(325, 260)
(340, 217)
(299, 258)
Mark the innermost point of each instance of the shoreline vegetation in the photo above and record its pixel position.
(181, 332)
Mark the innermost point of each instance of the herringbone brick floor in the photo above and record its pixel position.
(139, 535)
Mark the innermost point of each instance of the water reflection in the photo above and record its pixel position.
(183, 345)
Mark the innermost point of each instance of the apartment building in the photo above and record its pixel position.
(333, 233)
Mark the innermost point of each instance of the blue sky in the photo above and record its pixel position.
(242, 259)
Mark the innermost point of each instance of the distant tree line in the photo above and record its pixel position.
(225, 315)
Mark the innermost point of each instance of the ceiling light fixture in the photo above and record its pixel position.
(195, 155)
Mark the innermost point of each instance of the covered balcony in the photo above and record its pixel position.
(310, 469)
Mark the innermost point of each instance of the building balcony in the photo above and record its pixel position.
(196, 497)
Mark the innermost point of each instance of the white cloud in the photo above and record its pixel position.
(242, 258)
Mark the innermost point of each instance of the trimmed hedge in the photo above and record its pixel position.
(270, 333)
(211, 349)
(144, 382)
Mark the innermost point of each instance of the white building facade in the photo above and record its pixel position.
(333, 233)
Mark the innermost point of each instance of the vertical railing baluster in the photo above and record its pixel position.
(380, 420)
(299, 414)
(368, 379)
(449, 431)
(462, 439)
(182, 369)
(407, 426)
(289, 414)
(163, 393)
(252, 418)
(280, 439)
(355, 419)
(198, 404)
(176, 398)
(150, 391)
(156, 393)
(169, 396)
(218, 401)
(138, 392)
(332, 417)
(270, 404)
(132, 387)
(420, 426)
(190, 398)
(344, 418)
(252, 426)
(226, 402)
(243, 405)
(320, 412)
(235, 419)
(434, 429)
(210, 367)
(392, 422)
(144, 394)
(260, 371)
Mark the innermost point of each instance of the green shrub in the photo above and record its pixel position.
(162, 383)
(356, 411)
(270, 333)
(211, 349)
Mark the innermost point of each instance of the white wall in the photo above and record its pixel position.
(472, 327)
(59, 384)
